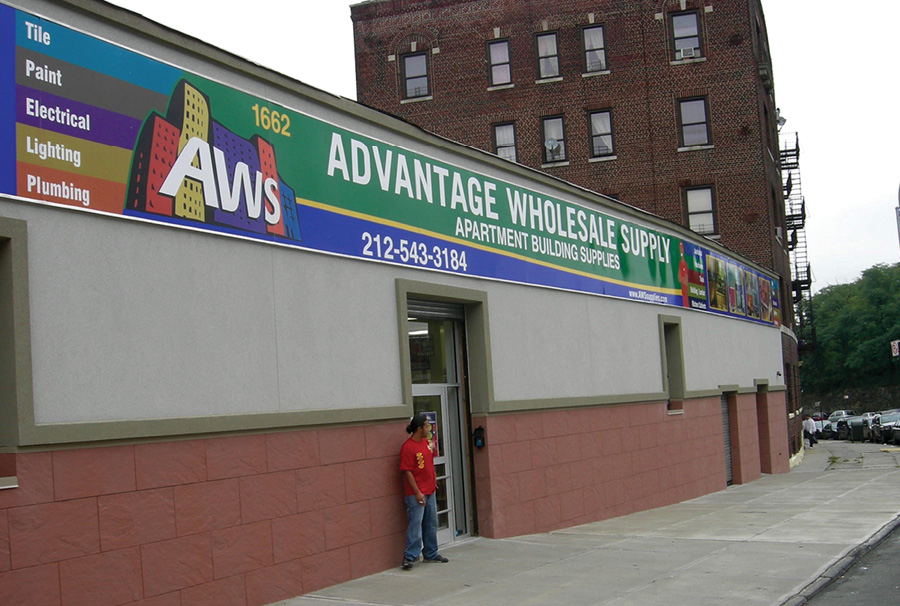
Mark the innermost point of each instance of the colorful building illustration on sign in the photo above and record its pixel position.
(189, 166)
(691, 276)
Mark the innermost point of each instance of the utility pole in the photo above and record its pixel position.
(898, 212)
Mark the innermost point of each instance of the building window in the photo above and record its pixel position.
(594, 49)
(686, 36)
(673, 361)
(15, 344)
(498, 55)
(693, 122)
(415, 76)
(701, 216)
(601, 134)
(554, 139)
(548, 56)
(505, 141)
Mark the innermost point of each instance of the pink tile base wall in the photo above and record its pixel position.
(261, 518)
(237, 520)
(773, 433)
(553, 469)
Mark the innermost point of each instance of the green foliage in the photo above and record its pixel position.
(855, 324)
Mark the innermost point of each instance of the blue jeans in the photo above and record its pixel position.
(422, 529)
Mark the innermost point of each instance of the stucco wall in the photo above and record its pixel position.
(135, 321)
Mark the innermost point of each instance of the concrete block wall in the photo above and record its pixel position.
(546, 470)
(249, 519)
(255, 519)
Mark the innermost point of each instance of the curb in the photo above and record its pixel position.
(841, 566)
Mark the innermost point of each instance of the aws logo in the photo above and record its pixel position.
(195, 162)
(190, 167)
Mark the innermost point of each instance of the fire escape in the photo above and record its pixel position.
(795, 223)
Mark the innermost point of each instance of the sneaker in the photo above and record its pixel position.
(407, 565)
(437, 558)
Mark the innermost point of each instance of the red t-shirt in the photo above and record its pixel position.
(417, 458)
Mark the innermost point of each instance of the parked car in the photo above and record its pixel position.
(895, 434)
(840, 414)
(844, 428)
(881, 427)
(829, 430)
(859, 427)
(866, 432)
(854, 428)
(841, 428)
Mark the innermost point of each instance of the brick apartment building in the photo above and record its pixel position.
(666, 105)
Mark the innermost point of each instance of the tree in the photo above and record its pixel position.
(855, 324)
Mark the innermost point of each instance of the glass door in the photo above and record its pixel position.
(436, 358)
(431, 401)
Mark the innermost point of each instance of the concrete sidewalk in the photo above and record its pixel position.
(772, 541)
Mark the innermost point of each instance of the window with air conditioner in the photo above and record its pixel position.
(686, 35)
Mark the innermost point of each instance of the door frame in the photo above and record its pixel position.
(474, 366)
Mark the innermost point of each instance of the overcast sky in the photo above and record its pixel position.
(836, 83)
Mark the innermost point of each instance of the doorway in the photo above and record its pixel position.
(726, 436)
(437, 362)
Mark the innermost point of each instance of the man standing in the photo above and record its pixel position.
(417, 467)
(809, 430)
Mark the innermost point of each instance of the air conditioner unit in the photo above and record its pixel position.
(689, 53)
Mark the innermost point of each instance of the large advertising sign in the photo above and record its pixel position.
(89, 124)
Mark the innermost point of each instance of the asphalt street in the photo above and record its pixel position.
(873, 579)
